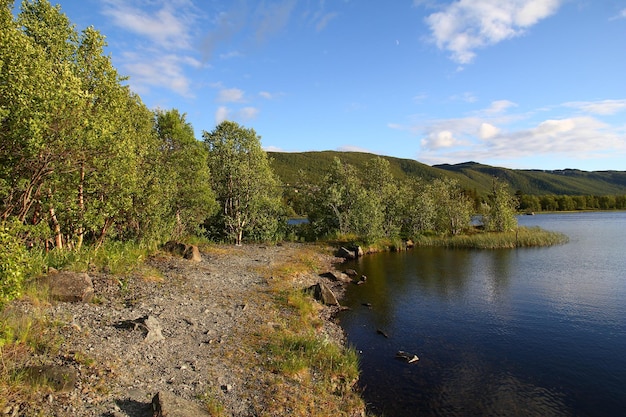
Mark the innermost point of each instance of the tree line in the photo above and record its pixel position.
(534, 203)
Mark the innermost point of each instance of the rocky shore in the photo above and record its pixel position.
(184, 340)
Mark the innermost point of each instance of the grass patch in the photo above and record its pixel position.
(311, 375)
(23, 334)
(212, 403)
(518, 238)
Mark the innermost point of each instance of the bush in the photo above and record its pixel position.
(12, 265)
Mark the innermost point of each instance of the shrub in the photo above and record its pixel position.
(12, 264)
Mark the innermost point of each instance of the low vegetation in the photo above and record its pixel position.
(517, 238)
(313, 374)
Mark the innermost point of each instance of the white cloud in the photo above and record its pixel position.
(620, 15)
(248, 113)
(487, 131)
(221, 114)
(325, 20)
(230, 95)
(168, 24)
(438, 140)
(499, 106)
(496, 133)
(166, 72)
(603, 107)
(159, 53)
(244, 114)
(464, 26)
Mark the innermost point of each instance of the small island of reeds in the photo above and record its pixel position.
(520, 237)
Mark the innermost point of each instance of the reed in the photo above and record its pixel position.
(519, 238)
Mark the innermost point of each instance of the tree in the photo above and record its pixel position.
(185, 172)
(384, 191)
(453, 209)
(242, 180)
(502, 208)
(341, 204)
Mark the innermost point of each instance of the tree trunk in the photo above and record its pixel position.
(58, 237)
(81, 206)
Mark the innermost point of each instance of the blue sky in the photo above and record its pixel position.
(537, 84)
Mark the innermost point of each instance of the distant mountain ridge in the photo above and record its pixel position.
(293, 168)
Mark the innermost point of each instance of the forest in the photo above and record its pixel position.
(84, 163)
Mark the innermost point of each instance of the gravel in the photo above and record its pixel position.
(203, 311)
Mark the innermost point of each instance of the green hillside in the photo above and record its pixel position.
(293, 168)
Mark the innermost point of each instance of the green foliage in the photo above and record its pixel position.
(453, 209)
(183, 170)
(245, 186)
(501, 209)
(12, 264)
(470, 175)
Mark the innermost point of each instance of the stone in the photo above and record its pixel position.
(67, 286)
(190, 252)
(345, 253)
(351, 273)
(407, 357)
(323, 294)
(166, 404)
(154, 330)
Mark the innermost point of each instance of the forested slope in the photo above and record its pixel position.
(310, 167)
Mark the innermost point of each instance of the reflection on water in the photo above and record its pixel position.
(505, 332)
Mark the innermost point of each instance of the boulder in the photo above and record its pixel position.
(351, 273)
(66, 286)
(166, 404)
(323, 294)
(346, 253)
(190, 252)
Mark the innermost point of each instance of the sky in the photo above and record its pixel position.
(524, 84)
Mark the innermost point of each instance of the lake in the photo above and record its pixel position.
(516, 332)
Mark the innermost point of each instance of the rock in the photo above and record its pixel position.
(409, 244)
(330, 276)
(166, 404)
(351, 273)
(345, 253)
(359, 251)
(408, 357)
(73, 287)
(149, 323)
(59, 378)
(154, 330)
(190, 252)
(324, 294)
(383, 333)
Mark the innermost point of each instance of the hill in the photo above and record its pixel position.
(293, 168)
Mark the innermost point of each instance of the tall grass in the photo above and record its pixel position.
(518, 238)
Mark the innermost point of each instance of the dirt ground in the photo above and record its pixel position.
(210, 313)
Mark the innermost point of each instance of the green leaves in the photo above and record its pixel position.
(245, 186)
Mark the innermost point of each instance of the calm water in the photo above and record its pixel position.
(524, 332)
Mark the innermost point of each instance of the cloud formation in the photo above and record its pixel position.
(464, 26)
(161, 53)
(495, 133)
